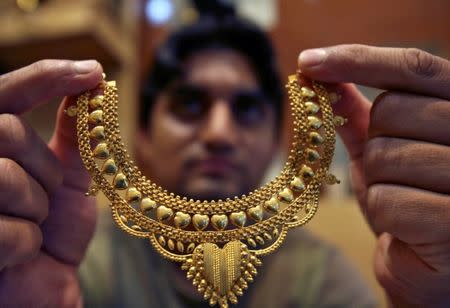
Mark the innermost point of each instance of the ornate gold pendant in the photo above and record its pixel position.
(217, 242)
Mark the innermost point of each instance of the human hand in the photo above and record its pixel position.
(46, 221)
(400, 160)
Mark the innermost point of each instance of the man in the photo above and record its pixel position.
(400, 167)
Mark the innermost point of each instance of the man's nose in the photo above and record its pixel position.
(220, 131)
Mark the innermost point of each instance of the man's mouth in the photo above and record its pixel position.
(215, 166)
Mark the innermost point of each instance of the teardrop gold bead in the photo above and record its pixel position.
(275, 233)
(307, 92)
(190, 248)
(124, 219)
(170, 244)
(259, 240)
(297, 184)
(267, 236)
(306, 172)
(136, 228)
(315, 139)
(95, 117)
(180, 246)
(120, 181)
(314, 122)
(312, 156)
(163, 213)
(109, 167)
(98, 133)
(96, 101)
(285, 195)
(133, 196)
(251, 242)
(162, 240)
(147, 204)
(101, 151)
(311, 108)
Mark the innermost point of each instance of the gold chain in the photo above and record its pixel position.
(218, 242)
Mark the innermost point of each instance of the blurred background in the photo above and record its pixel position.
(122, 35)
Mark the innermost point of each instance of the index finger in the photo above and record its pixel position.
(29, 86)
(410, 69)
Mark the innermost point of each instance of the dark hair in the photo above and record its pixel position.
(227, 32)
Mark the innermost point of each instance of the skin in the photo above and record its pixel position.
(213, 157)
(400, 171)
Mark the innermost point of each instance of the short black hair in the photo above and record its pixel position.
(228, 32)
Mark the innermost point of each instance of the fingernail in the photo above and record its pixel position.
(85, 67)
(312, 57)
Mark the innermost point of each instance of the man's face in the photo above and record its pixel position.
(212, 134)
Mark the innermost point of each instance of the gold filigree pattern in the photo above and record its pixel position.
(218, 242)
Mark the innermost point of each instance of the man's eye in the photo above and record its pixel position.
(188, 105)
(249, 109)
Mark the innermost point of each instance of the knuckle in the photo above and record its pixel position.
(10, 173)
(374, 154)
(421, 63)
(13, 133)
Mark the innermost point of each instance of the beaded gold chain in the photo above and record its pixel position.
(218, 243)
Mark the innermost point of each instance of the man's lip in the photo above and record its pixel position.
(215, 165)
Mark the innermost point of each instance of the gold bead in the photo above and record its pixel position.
(147, 204)
(162, 241)
(272, 205)
(180, 246)
(256, 213)
(311, 108)
(101, 151)
(267, 236)
(314, 122)
(285, 195)
(95, 117)
(315, 139)
(190, 248)
(136, 228)
(124, 219)
(238, 219)
(312, 155)
(200, 222)
(120, 181)
(164, 213)
(96, 102)
(259, 240)
(181, 220)
(170, 244)
(339, 121)
(219, 222)
(98, 133)
(306, 172)
(109, 167)
(307, 92)
(275, 232)
(251, 242)
(297, 184)
(133, 196)
(71, 111)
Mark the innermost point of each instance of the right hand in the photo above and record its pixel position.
(46, 222)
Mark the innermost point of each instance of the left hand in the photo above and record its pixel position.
(400, 160)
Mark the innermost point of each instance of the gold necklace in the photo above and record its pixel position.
(218, 243)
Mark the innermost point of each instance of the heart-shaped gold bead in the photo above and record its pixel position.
(256, 213)
(314, 122)
(272, 205)
(181, 220)
(200, 222)
(238, 219)
(120, 181)
(95, 117)
(312, 155)
(96, 101)
(315, 138)
(306, 172)
(147, 204)
(133, 196)
(286, 195)
(307, 92)
(219, 222)
(163, 213)
(297, 184)
(311, 108)
(109, 167)
(101, 151)
(98, 133)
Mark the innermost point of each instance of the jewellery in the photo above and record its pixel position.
(218, 243)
